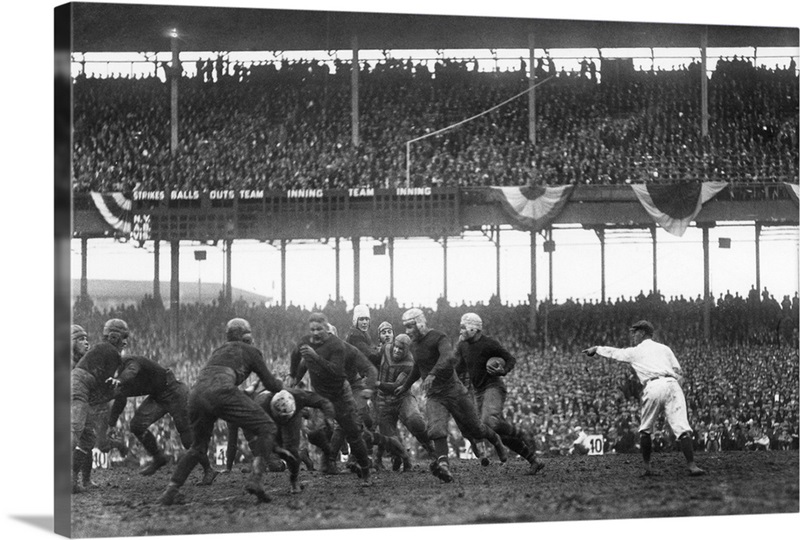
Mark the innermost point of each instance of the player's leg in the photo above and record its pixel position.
(81, 381)
(105, 442)
(437, 419)
(651, 408)
(290, 441)
(305, 454)
(388, 415)
(677, 418)
(233, 406)
(350, 421)
(203, 421)
(87, 443)
(320, 437)
(148, 413)
(375, 414)
(369, 433)
(462, 406)
(175, 401)
(396, 449)
(414, 421)
(491, 403)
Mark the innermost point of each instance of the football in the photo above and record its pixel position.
(495, 363)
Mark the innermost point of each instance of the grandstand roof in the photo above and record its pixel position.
(142, 28)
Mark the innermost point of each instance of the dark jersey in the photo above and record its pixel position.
(140, 376)
(360, 372)
(102, 361)
(472, 358)
(232, 363)
(433, 355)
(362, 341)
(327, 374)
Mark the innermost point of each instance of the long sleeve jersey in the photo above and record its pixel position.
(231, 364)
(649, 359)
(138, 376)
(362, 341)
(361, 373)
(102, 361)
(433, 355)
(472, 357)
(328, 373)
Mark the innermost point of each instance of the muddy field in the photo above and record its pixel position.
(569, 488)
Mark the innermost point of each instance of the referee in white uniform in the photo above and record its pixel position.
(658, 370)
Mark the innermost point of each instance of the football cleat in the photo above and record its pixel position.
(158, 462)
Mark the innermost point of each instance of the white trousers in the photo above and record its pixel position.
(664, 395)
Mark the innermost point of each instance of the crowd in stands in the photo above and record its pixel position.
(289, 125)
(741, 385)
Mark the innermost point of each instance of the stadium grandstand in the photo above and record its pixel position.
(280, 138)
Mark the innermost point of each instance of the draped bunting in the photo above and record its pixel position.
(115, 209)
(794, 192)
(674, 206)
(532, 208)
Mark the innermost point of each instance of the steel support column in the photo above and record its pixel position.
(601, 235)
(391, 268)
(703, 82)
(758, 257)
(157, 270)
(444, 271)
(533, 296)
(532, 93)
(550, 267)
(228, 267)
(174, 292)
(356, 270)
(497, 260)
(706, 287)
(337, 250)
(653, 230)
(283, 273)
(84, 267)
(354, 92)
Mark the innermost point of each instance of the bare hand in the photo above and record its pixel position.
(113, 382)
(308, 352)
(591, 351)
(426, 383)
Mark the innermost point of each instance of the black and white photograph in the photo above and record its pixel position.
(357, 269)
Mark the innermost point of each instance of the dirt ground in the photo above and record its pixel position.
(569, 488)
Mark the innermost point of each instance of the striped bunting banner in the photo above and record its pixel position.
(794, 192)
(532, 208)
(674, 206)
(115, 209)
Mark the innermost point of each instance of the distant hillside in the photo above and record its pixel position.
(111, 292)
